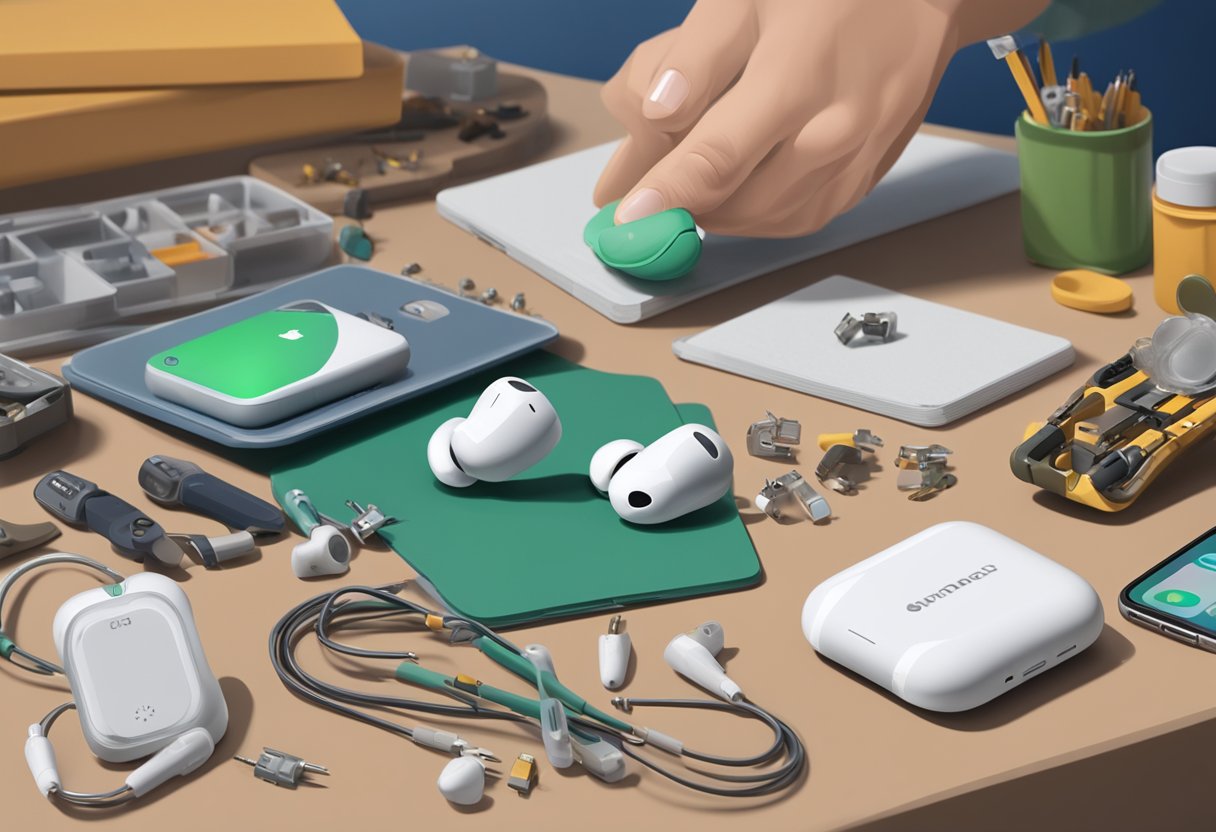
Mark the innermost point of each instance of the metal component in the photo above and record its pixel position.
(922, 470)
(792, 486)
(830, 470)
(866, 440)
(463, 749)
(213, 552)
(621, 703)
(489, 295)
(847, 329)
(280, 768)
(466, 285)
(880, 325)
(377, 319)
(524, 774)
(614, 625)
(518, 302)
(368, 521)
(772, 436)
(411, 269)
(913, 455)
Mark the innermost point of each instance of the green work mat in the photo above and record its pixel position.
(544, 544)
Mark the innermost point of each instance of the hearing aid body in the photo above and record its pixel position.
(511, 427)
(463, 781)
(327, 551)
(694, 656)
(682, 471)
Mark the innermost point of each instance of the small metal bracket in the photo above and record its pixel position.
(830, 470)
(792, 487)
(922, 470)
(772, 436)
(879, 325)
(368, 521)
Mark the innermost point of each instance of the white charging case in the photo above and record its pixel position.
(952, 617)
(136, 667)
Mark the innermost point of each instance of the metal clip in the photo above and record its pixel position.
(771, 437)
(830, 470)
(792, 486)
(368, 521)
(922, 471)
(880, 325)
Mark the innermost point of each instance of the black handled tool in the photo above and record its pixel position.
(176, 482)
(132, 533)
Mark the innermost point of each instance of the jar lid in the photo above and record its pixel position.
(1187, 176)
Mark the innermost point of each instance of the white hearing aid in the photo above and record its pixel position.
(680, 472)
(694, 656)
(326, 552)
(615, 650)
(463, 781)
(510, 428)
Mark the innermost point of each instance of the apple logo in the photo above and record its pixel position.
(291, 335)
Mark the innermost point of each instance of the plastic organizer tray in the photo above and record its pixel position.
(66, 271)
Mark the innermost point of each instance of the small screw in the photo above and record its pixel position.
(466, 285)
(489, 295)
(518, 302)
(411, 269)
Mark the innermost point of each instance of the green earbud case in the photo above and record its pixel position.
(663, 246)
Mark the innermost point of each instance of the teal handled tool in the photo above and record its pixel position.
(663, 246)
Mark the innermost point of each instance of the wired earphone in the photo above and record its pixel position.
(597, 735)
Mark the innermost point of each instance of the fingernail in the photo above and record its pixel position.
(668, 94)
(642, 204)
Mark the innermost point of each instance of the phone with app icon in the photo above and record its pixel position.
(1177, 597)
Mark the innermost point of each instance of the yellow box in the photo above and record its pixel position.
(112, 44)
(51, 135)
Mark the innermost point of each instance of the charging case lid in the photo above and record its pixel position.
(946, 617)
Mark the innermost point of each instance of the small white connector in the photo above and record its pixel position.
(615, 650)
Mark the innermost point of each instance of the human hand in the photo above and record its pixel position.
(768, 118)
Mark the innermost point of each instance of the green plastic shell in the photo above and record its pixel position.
(663, 246)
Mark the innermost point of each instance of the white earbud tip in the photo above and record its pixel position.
(439, 456)
(326, 552)
(609, 459)
(463, 781)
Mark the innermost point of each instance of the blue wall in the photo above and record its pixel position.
(1170, 48)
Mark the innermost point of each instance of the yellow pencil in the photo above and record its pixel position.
(1047, 64)
(1005, 48)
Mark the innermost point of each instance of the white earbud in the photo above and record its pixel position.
(510, 428)
(680, 472)
(326, 552)
(463, 781)
(693, 656)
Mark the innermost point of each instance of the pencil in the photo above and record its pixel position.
(1005, 48)
(1047, 64)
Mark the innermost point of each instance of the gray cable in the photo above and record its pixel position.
(96, 800)
(40, 665)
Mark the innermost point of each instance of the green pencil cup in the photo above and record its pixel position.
(1086, 196)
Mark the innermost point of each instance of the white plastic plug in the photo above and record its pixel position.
(40, 757)
(463, 781)
(182, 756)
(615, 649)
(601, 759)
(554, 726)
(693, 656)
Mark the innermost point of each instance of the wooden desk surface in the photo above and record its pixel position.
(869, 756)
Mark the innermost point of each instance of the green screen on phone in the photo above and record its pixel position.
(1183, 586)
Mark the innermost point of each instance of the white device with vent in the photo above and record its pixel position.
(952, 617)
(139, 680)
(136, 667)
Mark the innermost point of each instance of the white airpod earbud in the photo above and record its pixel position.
(510, 428)
(326, 552)
(680, 472)
(463, 781)
(694, 656)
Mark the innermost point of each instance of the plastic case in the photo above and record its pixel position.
(33, 402)
(90, 266)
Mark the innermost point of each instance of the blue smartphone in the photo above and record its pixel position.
(1177, 597)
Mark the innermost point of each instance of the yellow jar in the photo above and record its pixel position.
(1184, 221)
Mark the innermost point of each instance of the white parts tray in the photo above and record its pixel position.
(68, 272)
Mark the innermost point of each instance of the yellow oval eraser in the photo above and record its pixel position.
(1091, 292)
(827, 440)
